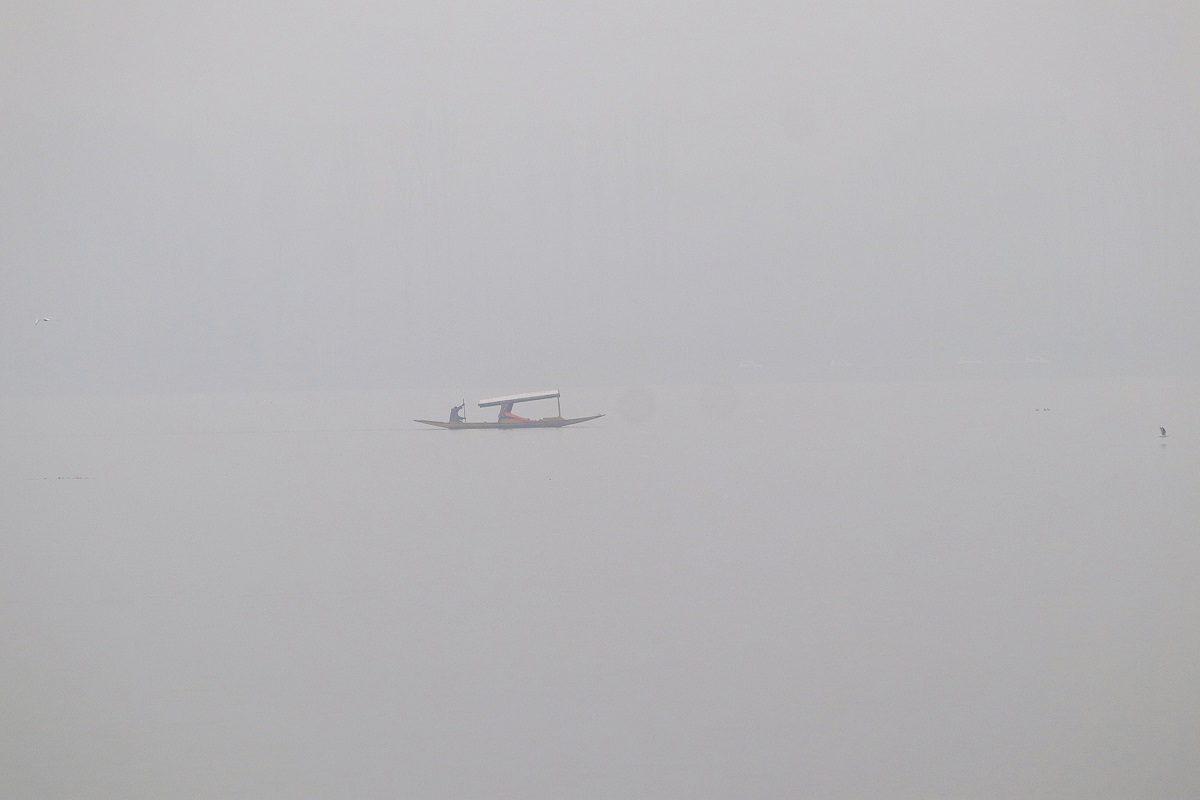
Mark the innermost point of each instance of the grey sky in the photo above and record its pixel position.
(246, 195)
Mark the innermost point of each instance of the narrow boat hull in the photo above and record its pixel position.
(549, 422)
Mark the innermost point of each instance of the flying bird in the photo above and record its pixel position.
(40, 320)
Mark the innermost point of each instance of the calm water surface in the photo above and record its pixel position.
(826, 590)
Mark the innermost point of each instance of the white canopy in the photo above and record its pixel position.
(518, 398)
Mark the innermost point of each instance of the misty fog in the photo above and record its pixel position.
(885, 305)
(360, 195)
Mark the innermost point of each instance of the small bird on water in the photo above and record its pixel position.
(1162, 432)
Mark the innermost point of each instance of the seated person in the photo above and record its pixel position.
(507, 415)
(456, 414)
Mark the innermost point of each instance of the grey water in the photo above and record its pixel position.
(945, 589)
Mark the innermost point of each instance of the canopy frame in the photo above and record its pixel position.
(520, 398)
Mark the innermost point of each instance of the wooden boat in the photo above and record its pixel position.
(509, 421)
